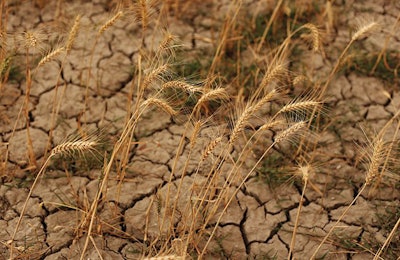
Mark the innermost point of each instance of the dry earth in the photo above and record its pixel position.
(259, 223)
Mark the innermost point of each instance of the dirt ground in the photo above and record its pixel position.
(259, 223)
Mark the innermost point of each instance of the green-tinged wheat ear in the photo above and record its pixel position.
(73, 33)
(289, 132)
(110, 22)
(160, 104)
(51, 56)
(299, 79)
(167, 44)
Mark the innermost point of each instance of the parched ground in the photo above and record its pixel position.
(259, 223)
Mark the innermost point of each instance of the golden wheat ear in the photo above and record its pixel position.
(364, 26)
(80, 145)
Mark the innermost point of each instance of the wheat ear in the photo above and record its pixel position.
(289, 132)
(363, 28)
(210, 147)
(214, 94)
(160, 104)
(299, 106)
(273, 72)
(110, 22)
(51, 56)
(70, 148)
(315, 36)
(72, 33)
(154, 74)
(181, 85)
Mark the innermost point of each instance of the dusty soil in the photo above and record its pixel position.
(259, 223)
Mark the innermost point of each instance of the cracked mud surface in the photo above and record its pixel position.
(259, 222)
